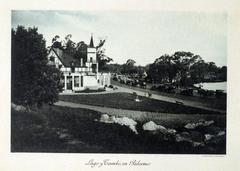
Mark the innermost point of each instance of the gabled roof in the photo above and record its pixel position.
(66, 58)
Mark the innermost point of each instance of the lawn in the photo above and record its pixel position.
(62, 129)
(218, 103)
(126, 101)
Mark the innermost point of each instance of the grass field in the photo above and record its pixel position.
(126, 101)
(218, 103)
(62, 129)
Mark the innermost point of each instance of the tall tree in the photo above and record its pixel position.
(33, 81)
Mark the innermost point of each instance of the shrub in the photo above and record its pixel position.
(187, 92)
(153, 88)
(134, 93)
(219, 94)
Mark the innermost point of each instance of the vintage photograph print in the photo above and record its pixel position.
(141, 82)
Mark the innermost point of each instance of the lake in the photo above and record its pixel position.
(213, 86)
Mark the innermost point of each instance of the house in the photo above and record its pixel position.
(81, 72)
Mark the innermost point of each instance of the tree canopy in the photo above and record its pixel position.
(79, 50)
(184, 68)
(33, 81)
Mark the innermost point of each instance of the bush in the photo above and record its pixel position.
(115, 79)
(187, 92)
(122, 82)
(134, 93)
(220, 94)
(153, 88)
(110, 86)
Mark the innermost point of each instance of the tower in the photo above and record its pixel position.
(92, 63)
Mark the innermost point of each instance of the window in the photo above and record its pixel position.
(91, 59)
(76, 81)
(69, 82)
(81, 81)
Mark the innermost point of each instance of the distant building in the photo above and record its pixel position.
(81, 72)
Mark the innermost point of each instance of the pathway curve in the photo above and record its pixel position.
(136, 115)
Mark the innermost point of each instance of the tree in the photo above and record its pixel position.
(102, 58)
(198, 71)
(79, 50)
(33, 81)
(130, 62)
(129, 68)
(223, 73)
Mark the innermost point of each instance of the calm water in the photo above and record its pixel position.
(213, 86)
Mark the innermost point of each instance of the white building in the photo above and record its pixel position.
(81, 72)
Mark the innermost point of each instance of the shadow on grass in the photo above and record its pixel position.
(62, 129)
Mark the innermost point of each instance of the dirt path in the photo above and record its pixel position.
(138, 115)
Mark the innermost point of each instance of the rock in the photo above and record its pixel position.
(217, 140)
(196, 136)
(208, 137)
(212, 130)
(207, 123)
(64, 136)
(190, 126)
(151, 126)
(200, 123)
(171, 131)
(184, 136)
(106, 119)
(127, 122)
(198, 144)
(221, 133)
(13, 105)
(19, 108)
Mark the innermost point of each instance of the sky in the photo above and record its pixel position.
(139, 35)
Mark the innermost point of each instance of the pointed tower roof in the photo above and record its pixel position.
(91, 45)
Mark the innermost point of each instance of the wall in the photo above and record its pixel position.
(90, 82)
